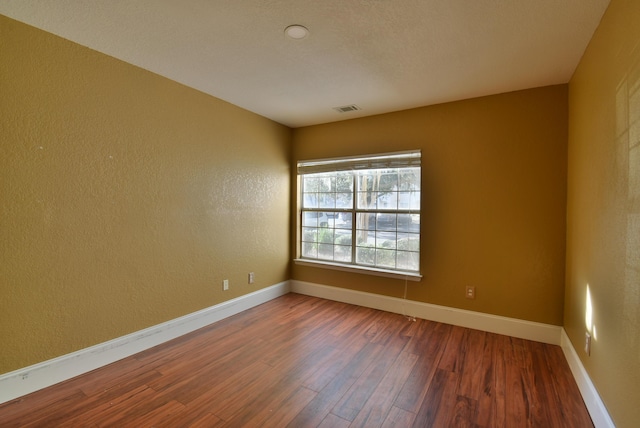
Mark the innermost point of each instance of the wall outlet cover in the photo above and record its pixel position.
(470, 292)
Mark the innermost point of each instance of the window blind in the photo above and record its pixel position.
(380, 161)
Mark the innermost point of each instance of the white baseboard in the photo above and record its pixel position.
(491, 323)
(595, 406)
(30, 379)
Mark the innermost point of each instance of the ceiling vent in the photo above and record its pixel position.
(347, 109)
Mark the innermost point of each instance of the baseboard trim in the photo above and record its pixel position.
(30, 379)
(595, 405)
(491, 323)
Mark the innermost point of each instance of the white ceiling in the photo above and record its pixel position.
(383, 55)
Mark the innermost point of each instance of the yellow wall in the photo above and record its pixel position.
(125, 198)
(603, 244)
(493, 204)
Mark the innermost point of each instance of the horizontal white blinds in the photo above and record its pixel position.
(380, 161)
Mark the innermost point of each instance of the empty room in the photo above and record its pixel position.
(347, 213)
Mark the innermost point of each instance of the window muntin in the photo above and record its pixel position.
(368, 217)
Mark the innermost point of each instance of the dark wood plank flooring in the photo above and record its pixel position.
(300, 361)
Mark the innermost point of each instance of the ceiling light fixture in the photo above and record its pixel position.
(296, 32)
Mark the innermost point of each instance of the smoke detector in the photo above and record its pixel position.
(296, 32)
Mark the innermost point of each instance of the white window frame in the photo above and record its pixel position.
(408, 159)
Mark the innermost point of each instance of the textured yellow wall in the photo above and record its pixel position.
(125, 198)
(493, 204)
(603, 244)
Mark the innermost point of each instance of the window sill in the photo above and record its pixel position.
(410, 276)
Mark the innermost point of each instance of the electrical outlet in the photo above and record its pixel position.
(470, 292)
(587, 343)
(225, 284)
(252, 277)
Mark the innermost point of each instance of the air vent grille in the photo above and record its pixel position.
(347, 109)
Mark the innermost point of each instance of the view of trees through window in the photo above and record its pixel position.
(367, 217)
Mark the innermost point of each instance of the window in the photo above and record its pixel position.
(362, 212)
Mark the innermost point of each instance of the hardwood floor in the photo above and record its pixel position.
(300, 361)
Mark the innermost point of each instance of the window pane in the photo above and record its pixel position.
(327, 183)
(343, 221)
(342, 253)
(387, 200)
(344, 182)
(310, 200)
(309, 250)
(325, 235)
(310, 183)
(408, 260)
(366, 221)
(344, 200)
(309, 234)
(388, 180)
(415, 223)
(415, 201)
(409, 200)
(325, 251)
(317, 183)
(366, 200)
(326, 200)
(367, 180)
(386, 240)
(404, 222)
(409, 179)
(386, 221)
(323, 219)
(310, 218)
(366, 255)
(385, 258)
(409, 241)
(317, 219)
(342, 237)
